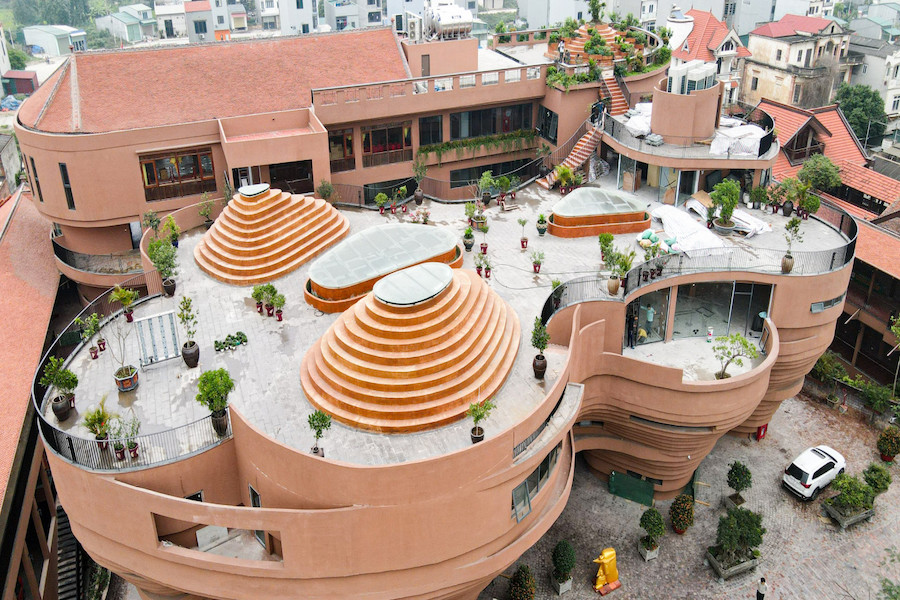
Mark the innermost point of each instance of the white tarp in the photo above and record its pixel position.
(639, 124)
(743, 221)
(742, 140)
(690, 234)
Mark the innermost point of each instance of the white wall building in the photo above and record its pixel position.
(878, 68)
(56, 40)
(270, 13)
(170, 18)
(298, 16)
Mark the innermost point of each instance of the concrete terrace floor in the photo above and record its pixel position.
(266, 371)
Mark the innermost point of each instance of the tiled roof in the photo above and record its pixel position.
(705, 37)
(879, 248)
(120, 90)
(28, 278)
(788, 119)
(869, 181)
(196, 6)
(789, 25)
(20, 74)
(126, 18)
(842, 145)
(853, 210)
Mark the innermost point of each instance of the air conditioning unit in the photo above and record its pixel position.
(202, 36)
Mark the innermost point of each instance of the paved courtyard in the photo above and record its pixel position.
(804, 556)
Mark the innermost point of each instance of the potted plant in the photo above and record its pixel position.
(213, 389)
(558, 289)
(889, 443)
(400, 196)
(130, 429)
(485, 185)
(190, 351)
(577, 180)
(563, 557)
(470, 209)
(853, 503)
(162, 255)
(652, 523)
(725, 197)
(259, 294)
(792, 235)
(126, 297)
(523, 240)
(420, 170)
(503, 185)
(152, 221)
(619, 264)
(738, 535)
(325, 190)
(479, 263)
(468, 239)
(479, 411)
(564, 178)
(514, 182)
(126, 376)
(55, 375)
(278, 303)
(269, 293)
(537, 257)
(681, 513)
(206, 206)
(522, 585)
(89, 326)
(541, 225)
(173, 231)
(319, 422)
(117, 431)
(877, 477)
(606, 244)
(98, 421)
(539, 339)
(484, 230)
(486, 263)
(759, 196)
(733, 349)
(739, 479)
(380, 200)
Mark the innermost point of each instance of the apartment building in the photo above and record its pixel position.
(170, 18)
(298, 16)
(878, 68)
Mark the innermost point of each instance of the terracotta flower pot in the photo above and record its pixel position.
(484, 248)
(129, 316)
(101, 343)
(887, 458)
(524, 242)
(536, 267)
(94, 352)
(679, 531)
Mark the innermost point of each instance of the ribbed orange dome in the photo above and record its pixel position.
(396, 369)
(267, 234)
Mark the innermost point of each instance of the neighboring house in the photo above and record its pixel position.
(221, 16)
(812, 8)
(875, 28)
(888, 11)
(492, 4)
(341, 14)
(198, 18)
(711, 41)
(393, 8)
(10, 163)
(298, 16)
(123, 26)
(4, 52)
(144, 14)
(270, 13)
(56, 40)
(237, 15)
(19, 82)
(879, 69)
(798, 60)
(170, 19)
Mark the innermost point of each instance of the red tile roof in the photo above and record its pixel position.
(790, 25)
(878, 248)
(28, 278)
(196, 6)
(855, 211)
(120, 90)
(13, 74)
(868, 181)
(706, 36)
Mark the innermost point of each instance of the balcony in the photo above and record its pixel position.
(95, 269)
(377, 159)
(798, 155)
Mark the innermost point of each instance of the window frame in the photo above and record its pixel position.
(67, 185)
(174, 185)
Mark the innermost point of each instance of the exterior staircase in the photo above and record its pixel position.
(70, 571)
(619, 104)
(261, 238)
(582, 150)
(575, 45)
(410, 368)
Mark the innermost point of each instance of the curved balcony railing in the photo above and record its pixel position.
(731, 258)
(104, 264)
(153, 448)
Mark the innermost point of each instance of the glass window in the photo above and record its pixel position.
(37, 182)
(340, 150)
(520, 502)
(647, 318)
(701, 307)
(199, 26)
(177, 174)
(67, 187)
(488, 121)
(393, 142)
(548, 121)
(431, 130)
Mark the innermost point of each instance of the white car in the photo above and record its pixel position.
(812, 471)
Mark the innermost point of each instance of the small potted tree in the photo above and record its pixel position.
(126, 297)
(853, 503)
(269, 293)
(537, 258)
(98, 421)
(278, 303)
(523, 240)
(541, 225)
(55, 375)
(759, 196)
(484, 231)
(733, 349)
(514, 182)
(400, 196)
(479, 263)
(488, 266)
(479, 411)
(738, 535)
(539, 339)
(563, 564)
(259, 294)
(173, 231)
(522, 585)
(190, 351)
(206, 206)
(117, 431)
(380, 200)
(681, 513)
(889, 443)
(606, 244)
(325, 190)
(420, 170)
(739, 479)
(213, 388)
(792, 235)
(89, 327)
(486, 185)
(152, 221)
(564, 177)
(877, 477)
(557, 292)
(725, 197)
(131, 428)
(469, 239)
(652, 523)
(319, 422)
(126, 375)
(503, 186)
(162, 255)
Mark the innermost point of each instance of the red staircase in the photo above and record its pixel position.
(619, 104)
(582, 150)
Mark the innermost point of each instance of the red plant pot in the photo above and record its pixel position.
(536, 267)
(270, 310)
(524, 242)
(120, 454)
(129, 316)
(278, 315)
(403, 208)
(484, 248)
(133, 451)
(887, 458)
(94, 352)
(101, 343)
(381, 210)
(102, 443)
(259, 307)
(393, 210)
(478, 270)
(679, 531)
(487, 273)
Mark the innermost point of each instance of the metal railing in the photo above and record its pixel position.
(153, 448)
(107, 264)
(562, 151)
(801, 154)
(710, 260)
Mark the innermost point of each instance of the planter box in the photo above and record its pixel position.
(734, 501)
(845, 522)
(561, 588)
(648, 554)
(725, 574)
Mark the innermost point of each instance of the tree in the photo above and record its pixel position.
(56, 12)
(652, 522)
(819, 172)
(17, 59)
(725, 196)
(739, 477)
(864, 109)
(26, 12)
(595, 7)
(738, 533)
(564, 560)
(522, 586)
(732, 349)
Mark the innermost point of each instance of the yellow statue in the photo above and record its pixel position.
(607, 573)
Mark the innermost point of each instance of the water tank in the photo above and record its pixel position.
(446, 20)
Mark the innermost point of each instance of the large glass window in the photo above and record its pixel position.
(37, 182)
(388, 143)
(464, 177)
(489, 121)
(647, 318)
(340, 150)
(548, 121)
(431, 130)
(176, 174)
(67, 187)
(524, 493)
(724, 307)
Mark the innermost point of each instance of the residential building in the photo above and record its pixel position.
(123, 26)
(875, 28)
(221, 17)
(492, 4)
(19, 82)
(298, 16)
(343, 14)
(392, 8)
(270, 13)
(327, 526)
(10, 164)
(544, 13)
(888, 11)
(878, 68)
(798, 60)
(4, 52)
(55, 40)
(711, 41)
(170, 19)
(238, 16)
(143, 13)
(199, 22)
(812, 8)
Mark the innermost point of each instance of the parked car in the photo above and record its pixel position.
(814, 469)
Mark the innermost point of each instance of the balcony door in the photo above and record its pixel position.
(255, 503)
